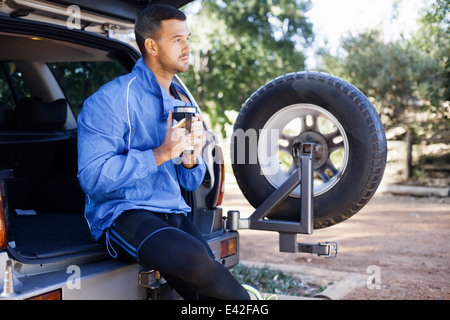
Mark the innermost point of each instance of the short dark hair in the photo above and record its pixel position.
(148, 22)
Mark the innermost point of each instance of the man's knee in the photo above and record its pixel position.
(195, 261)
(170, 251)
(194, 265)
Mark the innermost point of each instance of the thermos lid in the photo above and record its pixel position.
(185, 109)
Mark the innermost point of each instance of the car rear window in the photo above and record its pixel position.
(12, 85)
(79, 80)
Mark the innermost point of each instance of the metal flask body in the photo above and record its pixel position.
(185, 112)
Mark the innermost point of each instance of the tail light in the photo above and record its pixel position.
(221, 189)
(3, 239)
(51, 295)
(4, 174)
(228, 247)
(216, 196)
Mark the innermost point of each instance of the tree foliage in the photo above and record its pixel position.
(432, 42)
(407, 79)
(237, 46)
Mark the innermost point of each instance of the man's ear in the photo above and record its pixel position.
(151, 46)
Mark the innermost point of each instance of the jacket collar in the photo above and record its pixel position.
(149, 83)
(146, 78)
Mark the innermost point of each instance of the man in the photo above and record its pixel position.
(126, 148)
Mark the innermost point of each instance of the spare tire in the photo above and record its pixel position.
(310, 107)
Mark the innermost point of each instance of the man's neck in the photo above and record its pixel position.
(164, 79)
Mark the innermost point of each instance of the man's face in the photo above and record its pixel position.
(173, 46)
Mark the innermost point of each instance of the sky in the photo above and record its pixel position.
(334, 18)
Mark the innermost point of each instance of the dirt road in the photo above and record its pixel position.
(406, 238)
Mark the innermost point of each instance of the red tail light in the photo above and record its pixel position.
(3, 239)
(52, 295)
(221, 177)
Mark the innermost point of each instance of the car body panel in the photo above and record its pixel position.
(106, 17)
(99, 276)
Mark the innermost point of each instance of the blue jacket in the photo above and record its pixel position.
(118, 127)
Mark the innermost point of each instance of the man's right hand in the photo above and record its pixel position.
(175, 141)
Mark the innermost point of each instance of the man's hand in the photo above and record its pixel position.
(176, 140)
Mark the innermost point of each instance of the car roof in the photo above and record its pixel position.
(94, 16)
(121, 9)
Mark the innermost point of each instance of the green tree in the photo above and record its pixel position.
(406, 77)
(383, 71)
(433, 43)
(237, 46)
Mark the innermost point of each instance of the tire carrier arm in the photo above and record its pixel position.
(288, 230)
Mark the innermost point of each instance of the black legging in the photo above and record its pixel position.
(171, 244)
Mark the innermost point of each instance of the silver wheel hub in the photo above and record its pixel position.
(288, 129)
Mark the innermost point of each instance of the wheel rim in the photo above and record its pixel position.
(301, 123)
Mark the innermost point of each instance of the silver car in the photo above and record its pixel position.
(317, 144)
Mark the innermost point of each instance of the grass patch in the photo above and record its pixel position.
(275, 281)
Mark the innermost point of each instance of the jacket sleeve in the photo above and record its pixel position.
(104, 164)
(190, 179)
